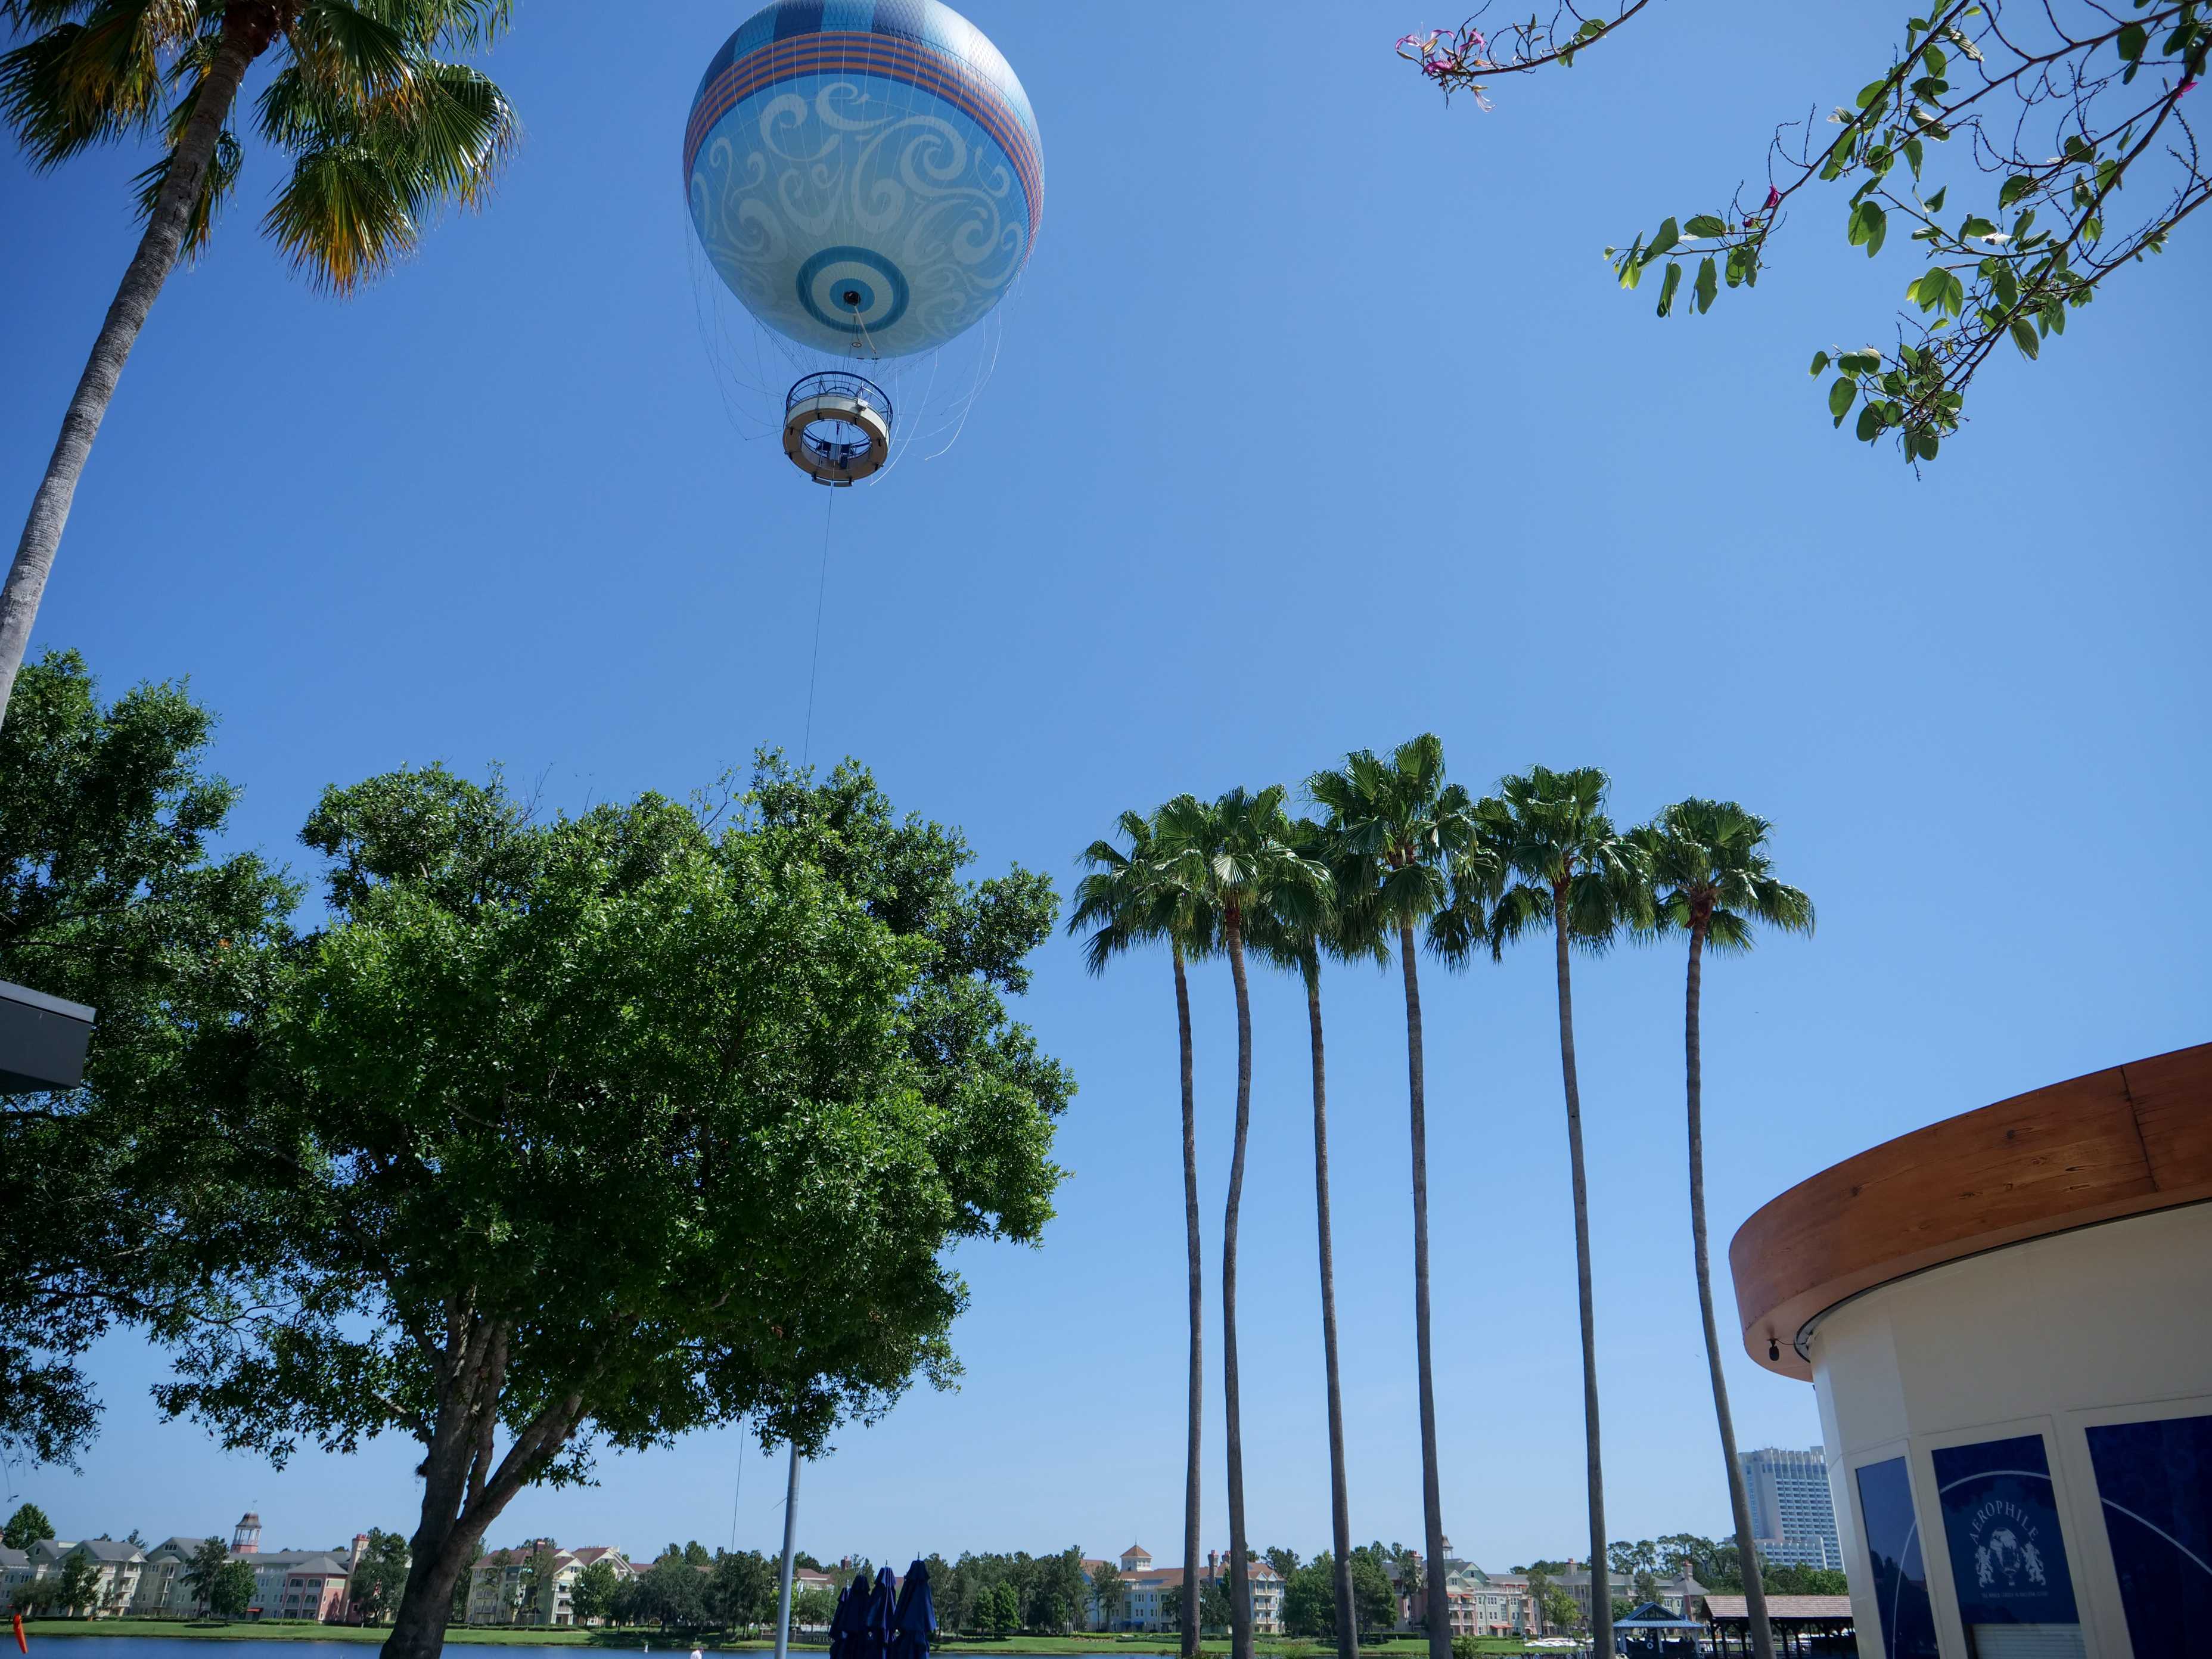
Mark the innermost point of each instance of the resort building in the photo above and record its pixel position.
(1793, 1518)
(1682, 1595)
(116, 1563)
(506, 1587)
(308, 1584)
(1146, 1603)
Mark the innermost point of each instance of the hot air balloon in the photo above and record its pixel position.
(866, 177)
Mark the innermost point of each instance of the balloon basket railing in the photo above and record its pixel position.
(837, 428)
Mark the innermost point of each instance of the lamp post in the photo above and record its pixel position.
(790, 1540)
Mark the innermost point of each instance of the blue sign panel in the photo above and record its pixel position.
(2001, 1516)
(2155, 1480)
(1900, 1576)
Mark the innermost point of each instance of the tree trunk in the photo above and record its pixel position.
(1339, 1500)
(246, 35)
(464, 1488)
(1192, 1542)
(1755, 1592)
(1240, 1578)
(1601, 1591)
(1436, 1598)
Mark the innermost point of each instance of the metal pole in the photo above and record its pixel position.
(790, 1541)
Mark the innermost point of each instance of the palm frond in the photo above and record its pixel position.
(343, 216)
(351, 52)
(89, 81)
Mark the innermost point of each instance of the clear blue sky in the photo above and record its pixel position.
(1318, 423)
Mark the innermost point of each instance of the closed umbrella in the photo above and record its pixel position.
(876, 1631)
(845, 1629)
(913, 1621)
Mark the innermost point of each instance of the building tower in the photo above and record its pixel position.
(1793, 1518)
(247, 1539)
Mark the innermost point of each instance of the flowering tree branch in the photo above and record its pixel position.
(2062, 103)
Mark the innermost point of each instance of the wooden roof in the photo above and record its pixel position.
(2121, 1142)
(1808, 1608)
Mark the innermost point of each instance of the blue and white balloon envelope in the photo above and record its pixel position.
(865, 175)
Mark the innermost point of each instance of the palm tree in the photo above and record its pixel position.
(382, 131)
(1237, 852)
(1713, 880)
(1405, 826)
(1571, 869)
(1128, 899)
(1297, 944)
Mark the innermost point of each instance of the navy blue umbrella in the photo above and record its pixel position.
(852, 1612)
(875, 1622)
(913, 1621)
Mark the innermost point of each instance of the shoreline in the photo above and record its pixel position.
(1034, 1647)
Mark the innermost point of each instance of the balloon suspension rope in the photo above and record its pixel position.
(806, 748)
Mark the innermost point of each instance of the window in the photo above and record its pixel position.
(2007, 1555)
(2155, 1481)
(1901, 1573)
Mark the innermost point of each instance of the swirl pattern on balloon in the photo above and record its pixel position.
(877, 186)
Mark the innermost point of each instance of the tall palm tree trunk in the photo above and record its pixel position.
(1191, 1541)
(1339, 1500)
(1755, 1592)
(1601, 1592)
(1437, 1598)
(246, 35)
(1240, 1580)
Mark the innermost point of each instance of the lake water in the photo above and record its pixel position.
(188, 1647)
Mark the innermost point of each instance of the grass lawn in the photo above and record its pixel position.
(268, 1630)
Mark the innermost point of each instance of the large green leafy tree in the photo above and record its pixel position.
(1714, 881)
(741, 1591)
(26, 1527)
(601, 1130)
(1130, 896)
(1238, 851)
(109, 896)
(204, 1568)
(380, 1578)
(592, 1599)
(1344, 928)
(380, 128)
(1106, 1591)
(2058, 105)
(1572, 873)
(1408, 828)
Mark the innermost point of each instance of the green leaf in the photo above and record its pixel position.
(1877, 225)
(1975, 226)
(1708, 285)
(1870, 426)
(1839, 398)
(1706, 224)
(1914, 149)
(1667, 288)
(2015, 187)
(2023, 336)
(1935, 202)
(1928, 446)
(2133, 39)
(1819, 362)
(1668, 233)
(1872, 90)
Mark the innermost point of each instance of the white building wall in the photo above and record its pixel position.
(2104, 1324)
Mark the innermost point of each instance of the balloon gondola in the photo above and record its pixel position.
(866, 177)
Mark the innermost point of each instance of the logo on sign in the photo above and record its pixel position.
(2007, 1555)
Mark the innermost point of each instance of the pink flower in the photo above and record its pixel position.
(1475, 42)
(2186, 88)
(1773, 199)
